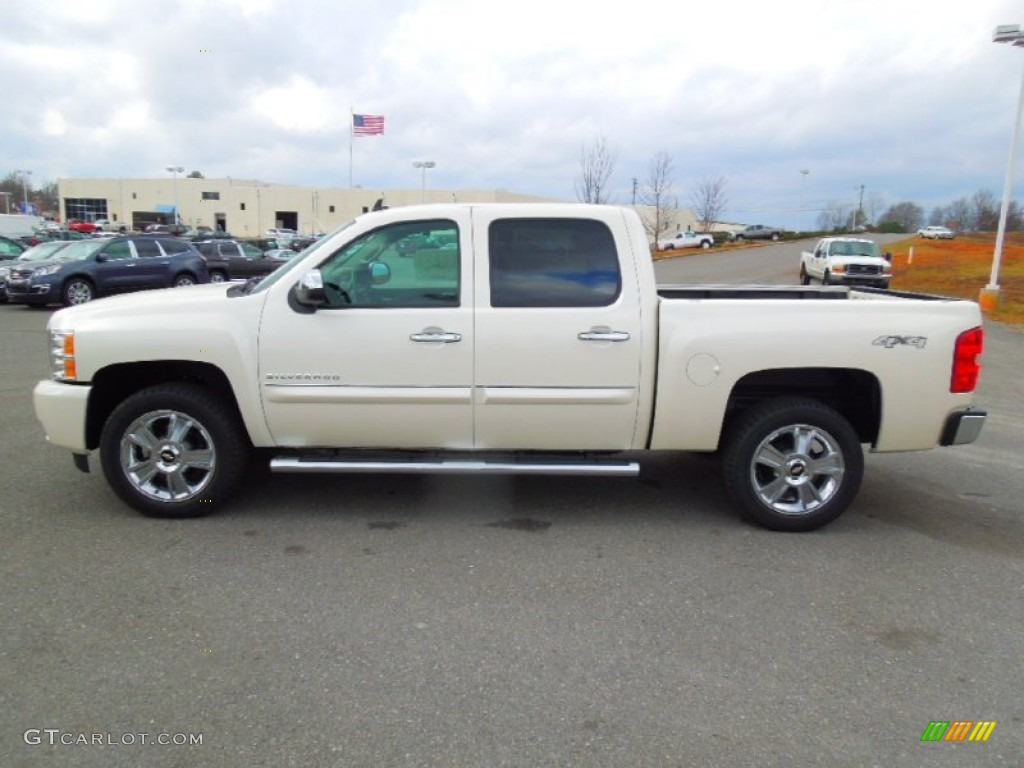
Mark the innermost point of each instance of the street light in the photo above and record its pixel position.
(423, 165)
(175, 169)
(24, 188)
(803, 186)
(989, 296)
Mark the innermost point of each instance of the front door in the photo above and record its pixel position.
(558, 335)
(388, 363)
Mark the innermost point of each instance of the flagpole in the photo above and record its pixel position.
(351, 121)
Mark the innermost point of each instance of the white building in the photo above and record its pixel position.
(243, 207)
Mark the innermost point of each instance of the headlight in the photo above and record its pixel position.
(50, 270)
(62, 355)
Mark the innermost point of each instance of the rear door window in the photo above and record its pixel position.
(552, 263)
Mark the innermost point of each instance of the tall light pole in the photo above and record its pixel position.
(803, 192)
(423, 165)
(175, 169)
(989, 296)
(24, 188)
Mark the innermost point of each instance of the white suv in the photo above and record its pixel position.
(937, 233)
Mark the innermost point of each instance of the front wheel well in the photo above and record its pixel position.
(854, 393)
(115, 383)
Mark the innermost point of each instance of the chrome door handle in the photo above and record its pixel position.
(603, 336)
(435, 337)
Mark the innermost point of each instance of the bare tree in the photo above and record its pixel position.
(657, 195)
(907, 216)
(833, 217)
(596, 165)
(708, 199)
(960, 214)
(986, 211)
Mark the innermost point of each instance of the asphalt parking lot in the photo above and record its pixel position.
(443, 621)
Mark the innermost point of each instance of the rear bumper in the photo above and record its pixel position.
(963, 427)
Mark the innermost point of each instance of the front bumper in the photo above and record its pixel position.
(963, 427)
(874, 281)
(62, 410)
(30, 292)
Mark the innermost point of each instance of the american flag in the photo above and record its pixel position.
(367, 125)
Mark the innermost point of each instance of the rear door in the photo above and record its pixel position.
(558, 334)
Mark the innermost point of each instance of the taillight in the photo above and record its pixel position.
(965, 360)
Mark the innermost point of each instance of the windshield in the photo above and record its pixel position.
(294, 261)
(80, 249)
(43, 251)
(855, 248)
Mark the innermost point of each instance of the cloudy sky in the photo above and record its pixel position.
(909, 98)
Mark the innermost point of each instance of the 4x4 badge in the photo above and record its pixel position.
(893, 341)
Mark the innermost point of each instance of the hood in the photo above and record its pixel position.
(194, 299)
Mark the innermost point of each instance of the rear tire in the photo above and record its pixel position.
(793, 464)
(184, 280)
(174, 451)
(775, 236)
(218, 277)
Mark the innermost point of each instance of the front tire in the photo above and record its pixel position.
(793, 464)
(173, 451)
(805, 279)
(218, 277)
(77, 291)
(775, 236)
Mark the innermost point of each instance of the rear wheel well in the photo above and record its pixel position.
(113, 384)
(855, 394)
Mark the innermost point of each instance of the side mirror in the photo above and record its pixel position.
(888, 256)
(101, 257)
(310, 289)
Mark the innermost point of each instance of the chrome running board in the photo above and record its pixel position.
(430, 464)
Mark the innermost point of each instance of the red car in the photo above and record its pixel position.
(81, 226)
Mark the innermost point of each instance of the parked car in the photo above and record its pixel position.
(89, 269)
(230, 260)
(281, 233)
(37, 253)
(687, 240)
(76, 225)
(936, 233)
(9, 248)
(758, 232)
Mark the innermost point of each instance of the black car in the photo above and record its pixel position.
(88, 269)
(230, 259)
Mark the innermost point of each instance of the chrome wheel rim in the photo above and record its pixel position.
(168, 456)
(183, 282)
(79, 293)
(216, 277)
(797, 469)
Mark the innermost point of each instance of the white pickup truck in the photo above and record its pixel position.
(504, 339)
(846, 261)
(687, 239)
